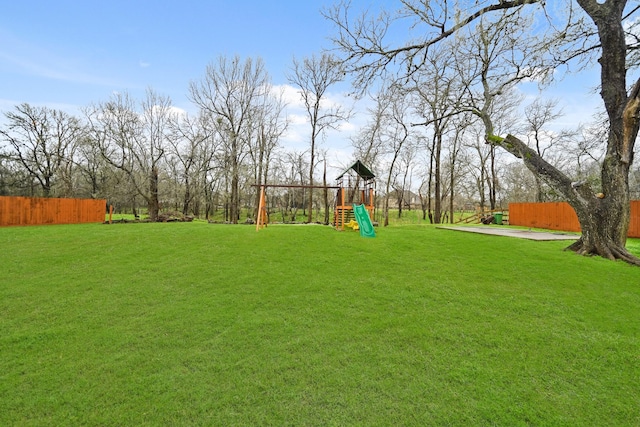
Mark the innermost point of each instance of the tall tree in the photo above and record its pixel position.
(589, 27)
(93, 170)
(268, 124)
(395, 135)
(14, 180)
(461, 125)
(437, 100)
(134, 141)
(313, 77)
(537, 117)
(228, 92)
(43, 141)
(368, 143)
(192, 145)
(402, 183)
(156, 114)
(480, 169)
(492, 57)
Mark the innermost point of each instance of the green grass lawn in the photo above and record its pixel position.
(201, 324)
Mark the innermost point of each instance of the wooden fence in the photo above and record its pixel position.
(560, 216)
(37, 211)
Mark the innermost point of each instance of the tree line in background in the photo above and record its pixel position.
(426, 136)
(146, 154)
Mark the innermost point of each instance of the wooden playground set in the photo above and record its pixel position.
(354, 206)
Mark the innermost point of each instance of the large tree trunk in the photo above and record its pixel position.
(310, 215)
(493, 183)
(452, 177)
(604, 221)
(386, 210)
(187, 196)
(604, 217)
(258, 175)
(437, 211)
(234, 208)
(153, 202)
(325, 194)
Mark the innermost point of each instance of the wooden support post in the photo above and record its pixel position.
(371, 204)
(262, 219)
(110, 213)
(342, 204)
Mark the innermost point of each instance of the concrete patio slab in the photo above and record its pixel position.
(517, 232)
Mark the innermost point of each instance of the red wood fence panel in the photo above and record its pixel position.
(560, 216)
(634, 221)
(38, 210)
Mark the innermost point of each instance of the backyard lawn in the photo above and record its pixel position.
(202, 324)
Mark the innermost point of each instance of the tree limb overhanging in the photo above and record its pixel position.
(591, 27)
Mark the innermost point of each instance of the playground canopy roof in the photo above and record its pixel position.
(360, 169)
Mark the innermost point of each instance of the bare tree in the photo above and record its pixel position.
(492, 57)
(538, 116)
(228, 93)
(14, 179)
(294, 171)
(325, 190)
(480, 170)
(268, 124)
(156, 114)
(437, 101)
(368, 143)
(313, 77)
(403, 177)
(43, 141)
(519, 183)
(589, 28)
(395, 134)
(134, 141)
(94, 171)
(192, 145)
(461, 125)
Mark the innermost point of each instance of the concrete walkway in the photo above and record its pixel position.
(517, 232)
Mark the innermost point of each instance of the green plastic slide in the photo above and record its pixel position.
(364, 222)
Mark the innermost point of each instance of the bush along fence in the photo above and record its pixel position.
(38, 210)
(560, 216)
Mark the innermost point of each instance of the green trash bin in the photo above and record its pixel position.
(497, 218)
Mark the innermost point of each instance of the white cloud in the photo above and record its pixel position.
(298, 133)
(297, 119)
(144, 64)
(178, 111)
(290, 94)
(347, 127)
(25, 58)
(295, 135)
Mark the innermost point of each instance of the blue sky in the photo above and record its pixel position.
(68, 54)
(78, 52)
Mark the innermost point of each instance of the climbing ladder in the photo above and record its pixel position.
(343, 214)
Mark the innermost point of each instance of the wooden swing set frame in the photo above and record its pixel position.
(262, 219)
(347, 187)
